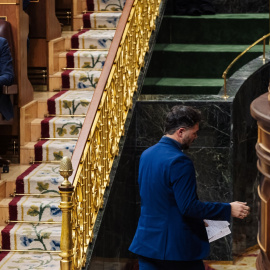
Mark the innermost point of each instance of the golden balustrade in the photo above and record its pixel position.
(103, 127)
(224, 75)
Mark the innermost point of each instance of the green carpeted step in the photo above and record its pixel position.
(197, 60)
(214, 29)
(182, 86)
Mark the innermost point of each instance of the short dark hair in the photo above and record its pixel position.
(181, 116)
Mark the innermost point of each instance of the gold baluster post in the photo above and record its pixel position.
(66, 191)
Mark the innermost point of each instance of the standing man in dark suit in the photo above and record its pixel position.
(171, 233)
(6, 78)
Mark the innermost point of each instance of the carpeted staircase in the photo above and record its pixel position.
(35, 218)
(184, 62)
(192, 52)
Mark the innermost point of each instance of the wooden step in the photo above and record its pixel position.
(55, 81)
(78, 7)
(27, 153)
(67, 36)
(78, 22)
(2, 187)
(62, 60)
(10, 186)
(36, 129)
(1, 228)
(9, 178)
(42, 107)
(4, 211)
(31, 111)
(27, 114)
(55, 46)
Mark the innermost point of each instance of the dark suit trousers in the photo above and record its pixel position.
(153, 264)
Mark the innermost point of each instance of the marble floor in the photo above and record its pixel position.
(247, 261)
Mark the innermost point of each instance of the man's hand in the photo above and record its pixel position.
(239, 209)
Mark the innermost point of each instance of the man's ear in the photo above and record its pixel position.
(180, 132)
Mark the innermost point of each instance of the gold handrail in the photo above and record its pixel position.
(224, 75)
(103, 127)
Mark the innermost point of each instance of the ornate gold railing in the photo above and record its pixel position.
(224, 76)
(103, 127)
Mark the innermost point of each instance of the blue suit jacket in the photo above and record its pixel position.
(171, 224)
(6, 78)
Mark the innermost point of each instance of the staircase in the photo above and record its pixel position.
(34, 229)
(187, 64)
(192, 52)
(189, 59)
(180, 65)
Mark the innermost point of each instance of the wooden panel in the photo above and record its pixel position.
(260, 111)
(26, 89)
(28, 113)
(27, 153)
(37, 20)
(78, 7)
(63, 4)
(43, 22)
(263, 233)
(53, 25)
(9, 1)
(55, 47)
(4, 213)
(37, 54)
(44, 27)
(19, 24)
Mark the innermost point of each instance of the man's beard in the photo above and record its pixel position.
(186, 143)
(185, 146)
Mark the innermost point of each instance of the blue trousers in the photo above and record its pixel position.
(153, 264)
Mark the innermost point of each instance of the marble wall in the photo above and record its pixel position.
(241, 6)
(223, 155)
(233, 6)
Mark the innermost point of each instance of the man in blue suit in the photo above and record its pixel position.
(6, 78)
(171, 233)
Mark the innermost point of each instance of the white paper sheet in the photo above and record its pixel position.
(217, 229)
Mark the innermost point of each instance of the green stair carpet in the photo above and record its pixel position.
(186, 86)
(233, 29)
(192, 52)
